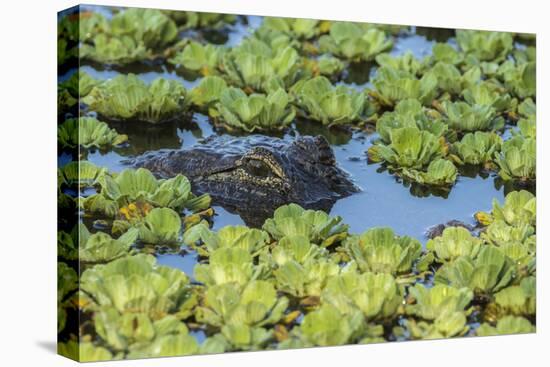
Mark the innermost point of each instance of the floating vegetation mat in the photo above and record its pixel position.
(236, 183)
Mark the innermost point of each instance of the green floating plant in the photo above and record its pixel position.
(354, 42)
(305, 279)
(516, 300)
(80, 174)
(444, 52)
(377, 296)
(207, 94)
(455, 242)
(447, 325)
(489, 272)
(517, 159)
(138, 336)
(71, 90)
(85, 351)
(451, 80)
(67, 283)
(430, 303)
(316, 225)
(255, 112)
(499, 233)
(296, 28)
(137, 285)
(256, 66)
(484, 94)
(319, 100)
(410, 113)
(505, 326)
(440, 172)
(328, 326)
(484, 45)
(88, 132)
(204, 59)
(252, 240)
(229, 265)
(379, 250)
(464, 117)
(201, 20)
(527, 123)
(519, 209)
(477, 148)
(409, 148)
(330, 66)
(296, 248)
(406, 62)
(94, 248)
(519, 78)
(132, 35)
(392, 85)
(119, 192)
(126, 97)
(254, 306)
(161, 226)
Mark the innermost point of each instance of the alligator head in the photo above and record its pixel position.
(254, 175)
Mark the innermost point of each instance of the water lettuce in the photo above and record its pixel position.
(380, 250)
(485, 45)
(316, 225)
(79, 174)
(489, 272)
(255, 112)
(136, 284)
(430, 303)
(303, 29)
(161, 226)
(440, 172)
(94, 248)
(517, 160)
(88, 132)
(467, 118)
(255, 66)
(203, 59)
(377, 296)
(507, 325)
(455, 242)
(354, 42)
(126, 97)
(319, 100)
(131, 35)
(392, 86)
(134, 186)
(477, 148)
(207, 94)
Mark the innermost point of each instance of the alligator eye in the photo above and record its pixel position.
(258, 168)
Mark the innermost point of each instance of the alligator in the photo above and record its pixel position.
(253, 175)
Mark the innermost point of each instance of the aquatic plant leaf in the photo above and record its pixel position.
(464, 117)
(89, 133)
(477, 148)
(255, 112)
(136, 284)
(455, 242)
(379, 250)
(161, 226)
(80, 174)
(507, 325)
(228, 265)
(440, 299)
(485, 45)
(440, 172)
(319, 100)
(447, 325)
(377, 296)
(85, 351)
(519, 208)
(126, 97)
(354, 42)
(393, 85)
(204, 59)
(489, 272)
(328, 326)
(316, 225)
(517, 159)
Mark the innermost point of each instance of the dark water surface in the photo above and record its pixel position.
(383, 201)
